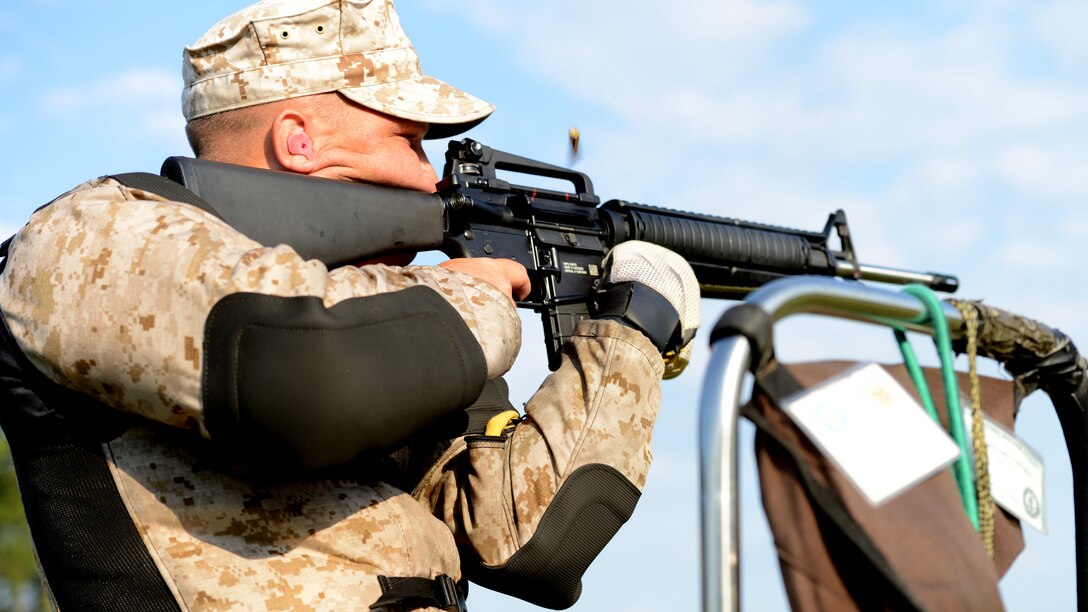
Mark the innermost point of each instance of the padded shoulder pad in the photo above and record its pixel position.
(591, 506)
(289, 380)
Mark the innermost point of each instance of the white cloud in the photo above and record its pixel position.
(946, 174)
(1050, 169)
(1060, 25)
(699, 73)
(1035, 254)
(1075, 226)
(7, 227)
(873, 95)
(130, 89)
(147, 102)
(628, 52)
(1043, 169)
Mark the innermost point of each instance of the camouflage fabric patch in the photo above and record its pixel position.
(1007, 336)
(598, 407)
(280, 49)
(225, 540)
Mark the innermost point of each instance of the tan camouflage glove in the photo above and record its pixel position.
(669, 276)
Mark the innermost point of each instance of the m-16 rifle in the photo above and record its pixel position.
(561, 237)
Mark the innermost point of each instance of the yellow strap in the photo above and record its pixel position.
(676, 361)
(498, 424)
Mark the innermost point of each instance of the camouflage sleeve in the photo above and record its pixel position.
(591, 422)
(107, 291)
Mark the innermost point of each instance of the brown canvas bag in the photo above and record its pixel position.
(923, 538)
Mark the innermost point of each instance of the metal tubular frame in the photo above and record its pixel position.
(719, 409)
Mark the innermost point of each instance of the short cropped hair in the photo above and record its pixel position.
(209, 135)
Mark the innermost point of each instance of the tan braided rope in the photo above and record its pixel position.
(978, 432)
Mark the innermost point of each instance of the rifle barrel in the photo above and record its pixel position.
(896, 276)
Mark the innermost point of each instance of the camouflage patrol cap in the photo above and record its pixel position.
(279, 49)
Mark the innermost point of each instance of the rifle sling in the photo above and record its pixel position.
(160, 185)
(143, 181)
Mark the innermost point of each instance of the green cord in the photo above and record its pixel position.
(962, 468)
(915, 371)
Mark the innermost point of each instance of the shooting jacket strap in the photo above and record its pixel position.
(144, 181)
(4, 252)
(836, 523)
(442, 592)
(160, 185)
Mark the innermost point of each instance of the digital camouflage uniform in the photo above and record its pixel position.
(107, 291)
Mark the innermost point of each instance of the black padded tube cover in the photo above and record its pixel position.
(587, 511)
(753, 323)
(289, 381)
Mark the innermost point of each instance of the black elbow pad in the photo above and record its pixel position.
(593, 503)
(290, 381)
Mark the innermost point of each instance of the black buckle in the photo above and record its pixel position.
(442, 592)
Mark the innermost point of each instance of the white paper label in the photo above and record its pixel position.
(873, 431)
(1016, 473)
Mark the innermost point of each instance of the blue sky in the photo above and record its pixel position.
(954, 133)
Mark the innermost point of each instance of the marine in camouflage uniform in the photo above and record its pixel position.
(135, 486)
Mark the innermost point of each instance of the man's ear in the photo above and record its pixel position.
(292, 146)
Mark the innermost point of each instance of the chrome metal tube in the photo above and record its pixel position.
(847, 300)
(718, 413)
